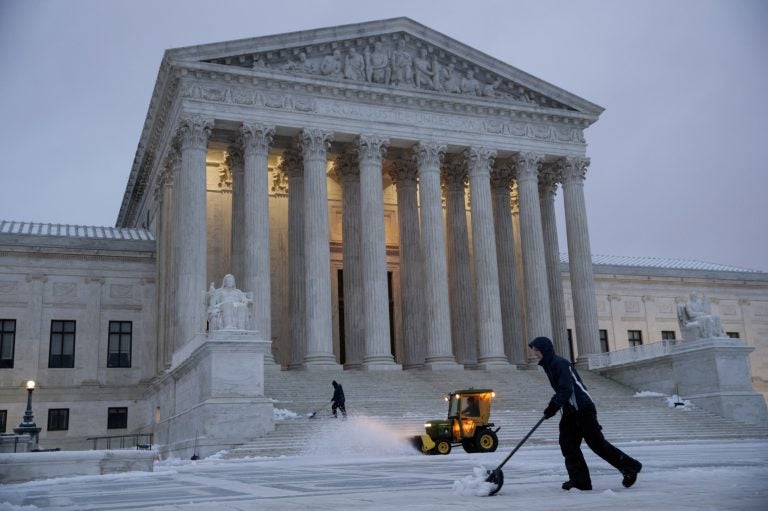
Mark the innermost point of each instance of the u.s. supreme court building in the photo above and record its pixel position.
(383, 195)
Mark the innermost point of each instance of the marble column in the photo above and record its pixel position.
(580, 258)
(537, 311)
(521, 345)
(256, 139)
(404, 173)
(370, 151)
(489, 328)
(236, 165)
(463, 328)
(511, 313)
(36, 289)
(164, 194)
(354, 327)
(437, 314)
(547, 190)
(314, 145)
(293, 167)
(172, 330)
(193, 132)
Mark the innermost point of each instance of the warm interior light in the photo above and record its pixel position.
(493, 394)
(31, 385)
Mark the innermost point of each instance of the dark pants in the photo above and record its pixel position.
(583, 425)
(340, 406)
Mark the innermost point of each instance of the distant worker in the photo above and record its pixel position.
(338, 400)
(472, 409)
(579, 421)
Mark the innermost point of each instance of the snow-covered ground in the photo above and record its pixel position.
(361, 464)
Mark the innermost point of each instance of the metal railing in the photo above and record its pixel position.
(634, 354)
(139, 441)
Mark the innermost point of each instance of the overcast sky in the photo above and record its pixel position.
(678, 157)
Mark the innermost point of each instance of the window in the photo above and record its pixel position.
(635, 338)
(7, 342)
(3, 420)
(117, 418)
(667, 335)
(733, 335)
(604, 341)
(58, 419)
(119, 349)
(62, 352)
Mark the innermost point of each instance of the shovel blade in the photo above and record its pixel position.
(496, 478)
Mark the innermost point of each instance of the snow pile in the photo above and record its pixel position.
(358, 436)
(474, 485)
(5, 506)
(648, 393)
(280, 414)
(674, 401)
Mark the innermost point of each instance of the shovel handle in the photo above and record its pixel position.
(520, 444)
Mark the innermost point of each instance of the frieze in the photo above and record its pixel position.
(120, 291)
(64, 289)
(8, 287)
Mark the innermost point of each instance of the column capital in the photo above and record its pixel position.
(403, 171)
(502, 174)
(479, 160)
(429, 155)
(256, 137)
(291, 163)
(314, 143)
(549, 176)
(371, 148)
(455, 172)
(346, 166)
(574, 170)
(193, 132)
(528, 165)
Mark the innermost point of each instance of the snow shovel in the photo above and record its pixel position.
(312, 415)
(496, 476)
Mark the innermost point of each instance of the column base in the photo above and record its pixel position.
(321, 363)
(493, 363)
(380, 364)
(442, 365)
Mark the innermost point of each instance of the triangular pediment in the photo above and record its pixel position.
(397, 53)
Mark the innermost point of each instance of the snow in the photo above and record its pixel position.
(360, 463)
(281, 414)
(648, 393)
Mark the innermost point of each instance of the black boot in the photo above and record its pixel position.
(570, 484)
(630, 476)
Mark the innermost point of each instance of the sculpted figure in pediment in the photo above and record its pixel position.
(354, 66)
(451, 80)
(377, 65)
(489, 90)
(402, 65)
(302, 65)
(331, 65)
(426, 77)
(470, 85)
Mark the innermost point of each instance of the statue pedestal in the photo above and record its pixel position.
(714, 374)
(212, 398)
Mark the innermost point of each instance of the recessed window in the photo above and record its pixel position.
(667, 335)
(3, 420)
(117, 418)
(603, 340)
(58, 419)
(7, 342)
(62, 353)
(119, 349)
(733, 335)
(635, 338)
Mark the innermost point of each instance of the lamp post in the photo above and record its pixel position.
(28, 425)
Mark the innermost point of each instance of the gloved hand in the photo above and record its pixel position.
(550, 410)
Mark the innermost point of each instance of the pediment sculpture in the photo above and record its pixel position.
(228, 307)
(403, 62)
(696, 319)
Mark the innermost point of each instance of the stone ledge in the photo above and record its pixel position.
(30, 466)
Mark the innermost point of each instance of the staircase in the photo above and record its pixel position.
(401, 401)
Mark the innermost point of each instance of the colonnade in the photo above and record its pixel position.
(461, 305)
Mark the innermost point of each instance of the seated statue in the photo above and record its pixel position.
(228, 307)
(697, 321)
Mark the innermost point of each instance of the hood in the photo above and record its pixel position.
(545, 346)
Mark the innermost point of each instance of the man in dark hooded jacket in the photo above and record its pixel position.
(579, 421)
(338, 400)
